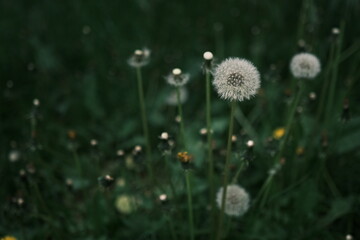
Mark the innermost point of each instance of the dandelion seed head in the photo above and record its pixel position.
(176, 78)
(93, 142)
(203, 131)
(312, 96)
(335, 31)
(236, 79)
(236, 200)
(162, 197)
(305, 65)
(349, 237)
(172, 99)
(140, 58)
(120, 153)
(233, 138)
(208, 56)
(14, 155)
(164, 136)
(36, 102)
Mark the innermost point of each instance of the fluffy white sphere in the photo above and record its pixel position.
(176, 78)
(236, 79)
(305, 65)
(236, 200)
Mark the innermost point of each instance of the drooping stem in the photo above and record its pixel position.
(144, 121)
(210, 158)
(188, 188)
(226, 170)
(180, 111)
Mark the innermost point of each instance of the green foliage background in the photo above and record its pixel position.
(71, 55)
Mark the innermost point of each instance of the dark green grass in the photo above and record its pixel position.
(84, 83)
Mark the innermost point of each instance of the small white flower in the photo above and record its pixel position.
(236, 200)
(305, 65)
(140, 58)
(236, 79)
(177, 78)
(172, 97)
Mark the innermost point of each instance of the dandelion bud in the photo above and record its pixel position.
(236, 79)
(140, 58)
(236, 200)
(305, 65)
(177, 78)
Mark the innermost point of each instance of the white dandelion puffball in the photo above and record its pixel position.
(236, 200)
(139, 58)
(305, 65)
(172, 97)
(236, 79)
(177, 78)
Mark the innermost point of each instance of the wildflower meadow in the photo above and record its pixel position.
(150, 120)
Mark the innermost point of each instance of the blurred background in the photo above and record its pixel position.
(72, 57)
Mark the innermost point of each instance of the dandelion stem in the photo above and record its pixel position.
(144, 121)
(290, 120)
(226, 170)
(78, 163)
(335, 67)
(210, 158)
(191, 219)
(182, 128)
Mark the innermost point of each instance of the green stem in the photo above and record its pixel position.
(172, 230)
(226, 170)
(144, 121)
(78, 163)
(210, 157)
(182, 128)
(191, 219)
(335, 67)
(290, 120)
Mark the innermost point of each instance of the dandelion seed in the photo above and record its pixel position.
(305, 65)
(140, 58)
(236, 79)
(177, 78)
(236, 200)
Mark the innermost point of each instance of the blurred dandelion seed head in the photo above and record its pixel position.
(250, 143)
(36, 102)
(120, 153)
(335, 31)
(14, 155)
(140, 58)
(172, 97)
(349, 237)
(164, 136)
(125, 204)
(176, 78)
(236, 200)
(163, 197)
(305, 65)
(236, 79)
(93, 142)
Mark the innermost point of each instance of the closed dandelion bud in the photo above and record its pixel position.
(176, 78)
(236, 79)
(106, 181)
(305, 65)
(139, 58)
(236, 200)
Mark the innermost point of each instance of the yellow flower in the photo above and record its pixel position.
(279, 133)
(125, 204)
(184, 157)
(8, 238)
